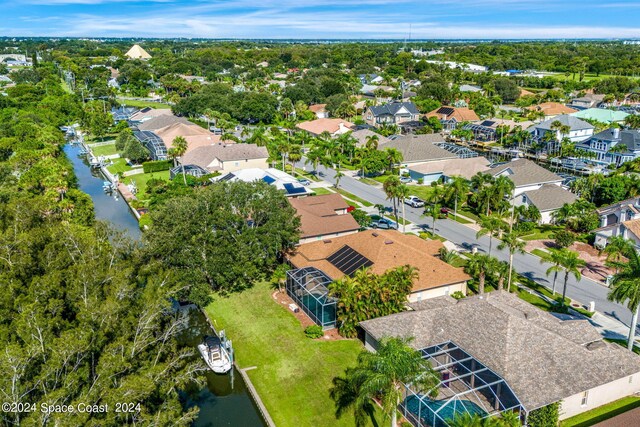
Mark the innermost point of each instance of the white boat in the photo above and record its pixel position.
(215, 353)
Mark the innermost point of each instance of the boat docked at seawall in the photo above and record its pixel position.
(217, 353)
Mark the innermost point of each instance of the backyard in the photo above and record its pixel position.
(294, 373)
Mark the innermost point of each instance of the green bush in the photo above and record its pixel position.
(145, 221)
(457, 295)
(547, 416)
(157, 166)
(314, 331)
(420, 181)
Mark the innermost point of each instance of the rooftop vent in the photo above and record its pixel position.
(374, 234)
(388, 242)
(327, 241)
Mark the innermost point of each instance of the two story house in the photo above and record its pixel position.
(613, 146)
(579, 130)
(393, 113)
(619, 219)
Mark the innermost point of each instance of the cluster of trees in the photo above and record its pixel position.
(85, 315)
(366, 295)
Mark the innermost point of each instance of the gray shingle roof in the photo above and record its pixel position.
(203, 156)
(550, 197)
(525, 172)
(419, 148)
(542, 358)
(573, 122)
(393, 108)
(362, 134)
(161, 122)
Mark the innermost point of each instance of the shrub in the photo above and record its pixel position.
(145, 221)
(420, 181)
(156, 166)
(547, 416)
(564, 238)
(524, 226)
(457, 295)
(314, 331)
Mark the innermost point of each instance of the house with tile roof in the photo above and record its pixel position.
(320, 110)
(334, 127)
(613, 146)
(552, 109)
(602, 115)
(226, 157)
(323, 217)
(496, 353)
(579, 130)
(393, 113)
(451, 117)
(315, 265)
(195, 135)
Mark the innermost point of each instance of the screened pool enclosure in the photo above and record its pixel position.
(308, 287)
(466, 387)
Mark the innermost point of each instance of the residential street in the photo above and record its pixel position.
(529, 265)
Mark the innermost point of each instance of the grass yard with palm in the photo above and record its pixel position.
(294, 373)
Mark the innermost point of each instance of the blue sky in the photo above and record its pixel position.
(322, 18)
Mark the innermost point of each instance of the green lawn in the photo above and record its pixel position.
(459, 219)
(422, 191)
(294, 373)
(104, 150)
(469, 213)
(623, 343)
(119, 166)
(542, 232)
(321, 190)
(354, 197)
(540, 253)
(602, 413)
(141, 181)
(370, 181)
(142, 104)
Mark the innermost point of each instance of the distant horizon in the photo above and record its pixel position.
(323, 19)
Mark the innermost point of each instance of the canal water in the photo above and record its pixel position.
(221, 402)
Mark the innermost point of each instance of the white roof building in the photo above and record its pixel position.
(281, 180)
(136, 52)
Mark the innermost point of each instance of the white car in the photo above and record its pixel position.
(414, 201)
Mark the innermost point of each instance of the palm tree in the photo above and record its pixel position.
(554, 257)
(511, 240)
(371, 142)
(384, 374)
(180, 147)
(393, 157)
(490, 225)
(625, 286)
(569, 263)
(616, 249)
(403, 193)
(347, 395)
(458, 189)
(479, 264)
(390, 188)
(502, 269)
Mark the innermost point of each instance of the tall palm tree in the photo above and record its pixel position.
(479, 265)
(347, 396)
(512, 242)
(616, 249)
(570, 264)
(403, 193)
(490, 225)
(554, 257)
(180, 147)
(625, 286)
(385, 372)
(434, 214)
(393, 157)
(390, 188)
(371, 142)
(502, 269)
(458, 189)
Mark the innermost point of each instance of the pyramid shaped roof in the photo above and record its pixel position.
(136, 52)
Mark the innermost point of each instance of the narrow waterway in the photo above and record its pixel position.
(221, 403)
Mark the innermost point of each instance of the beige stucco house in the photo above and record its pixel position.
(227, 157)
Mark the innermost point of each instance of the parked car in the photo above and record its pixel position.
(405, 179)
(414, 201)
(445, 211)
(304, 181)
(384, 223)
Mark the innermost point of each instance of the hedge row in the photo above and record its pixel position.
(157, 166)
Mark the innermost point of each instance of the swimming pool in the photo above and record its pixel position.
(427, 408)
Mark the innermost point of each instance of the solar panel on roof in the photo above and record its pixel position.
(268, 179)
(348, 260)
(445, 110)
(293, 189)
(227, 177)
(487, 123)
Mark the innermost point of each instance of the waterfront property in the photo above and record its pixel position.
(393, 113)
(497, 353)
(284, 182)
(578, 130)
(417, 149)
(323, 217)
(315, 265)
(451, 117)
(613, 146)
(227, 157)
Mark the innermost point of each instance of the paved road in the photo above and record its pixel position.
(528, 265)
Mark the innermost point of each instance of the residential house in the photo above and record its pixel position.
(195, 135)
(418, 149)
(227, 157)
(123, 113)
(613, 146)
(487, 130)
(284, 182)
(320, 110)
(444, 170)
(552, 109)
(323, 217)
(497, 353)
(315, 265)
(334, 127)
(617, 219)
(525, 175)
(137, 52)
(370, 79)
(362, 135)
(158, 122)
(547, 199)
(153, 143)
(587, 101)
(579, 130)
(149, 113)
(470, 88)
(451, 117)
(629, 230)
(601, 115)
(371, 91)
(393, 113)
